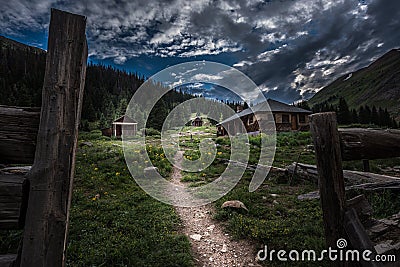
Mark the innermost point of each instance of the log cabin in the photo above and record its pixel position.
(286, 117)
(197, 122)
(126, 124)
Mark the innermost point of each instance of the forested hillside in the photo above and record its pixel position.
(107, 90)
(376, 85)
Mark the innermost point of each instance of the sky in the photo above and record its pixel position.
(289, 48)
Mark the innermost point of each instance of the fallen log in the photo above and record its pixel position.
(309, 172)
(387, 185)
(357, 143)
(253, 167)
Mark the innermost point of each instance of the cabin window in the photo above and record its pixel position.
(302, 118)
(285, 118)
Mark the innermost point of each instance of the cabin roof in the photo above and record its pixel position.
(125, 119)
(270, 105)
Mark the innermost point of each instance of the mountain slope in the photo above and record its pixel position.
(21, 73)
(378, 84)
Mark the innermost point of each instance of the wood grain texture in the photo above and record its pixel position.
(18, 132)
(358, 237)
(14, 192)
(330, 172)
(358, 144)
(52, 173)
(7, 260)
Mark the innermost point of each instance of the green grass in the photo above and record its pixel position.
(113, 222)
(124, 226)
(275, 218)
(280, 220)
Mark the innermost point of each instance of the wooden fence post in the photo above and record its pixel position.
(329, 165)
(52, 173)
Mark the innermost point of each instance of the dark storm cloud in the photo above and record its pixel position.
(290, 48)
(345, 41)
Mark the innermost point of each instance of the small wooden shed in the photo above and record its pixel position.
(197, 122)
(125, 124)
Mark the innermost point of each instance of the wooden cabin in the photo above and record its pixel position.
(286, 117)
(125, 124)
(197, 122)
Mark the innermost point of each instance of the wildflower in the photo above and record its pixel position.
(96, 169)
(219, 153)
(117, 173)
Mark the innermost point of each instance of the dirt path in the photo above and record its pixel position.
(210, 245)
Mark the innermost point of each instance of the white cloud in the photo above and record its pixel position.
(206, 77)
(120, 60)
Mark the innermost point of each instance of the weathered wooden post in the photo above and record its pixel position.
(339, 221)
(329, 165)
(52, 173)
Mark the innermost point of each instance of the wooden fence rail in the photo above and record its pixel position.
(359, 144)
(18, 132)
(14, 192)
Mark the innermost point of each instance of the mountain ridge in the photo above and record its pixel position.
(377, 84)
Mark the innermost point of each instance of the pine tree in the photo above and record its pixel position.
(364, 115)
(343, 113)
(394, 124)
(103, 123)
(375, 116)
(354, 116)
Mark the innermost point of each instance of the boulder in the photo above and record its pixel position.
(236, 204)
